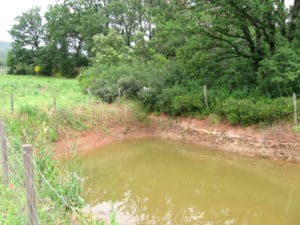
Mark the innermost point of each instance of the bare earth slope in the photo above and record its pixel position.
(276, 142)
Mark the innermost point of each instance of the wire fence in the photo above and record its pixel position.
(54, 104)
(28, 194)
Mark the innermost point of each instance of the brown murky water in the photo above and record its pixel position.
(153, 181)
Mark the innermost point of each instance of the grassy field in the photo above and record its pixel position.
(39, 92)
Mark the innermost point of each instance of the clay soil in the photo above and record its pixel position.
(276, 142)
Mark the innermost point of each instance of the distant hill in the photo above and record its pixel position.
(4, 48)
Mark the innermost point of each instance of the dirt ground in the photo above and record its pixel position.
(276, 142)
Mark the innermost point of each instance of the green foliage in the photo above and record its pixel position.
(110, 49)
(28, 31)
(162, 52)
(279, 75)
(188, 103)
(252, 111)
(135, 81)
(27, 34)
(21, 69)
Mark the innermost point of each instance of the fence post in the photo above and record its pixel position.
(295, 109)
(119, 92)
(205, 95)
(4, 152)
(12, 102)
(90, 97)
(54, 103)
(29, 184)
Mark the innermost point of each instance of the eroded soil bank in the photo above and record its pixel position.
(277, 142)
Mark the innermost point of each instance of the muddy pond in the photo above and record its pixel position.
(154, 181)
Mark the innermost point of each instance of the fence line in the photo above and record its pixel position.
(53, 104)
(29, 166)
(17, 159)
(205, 98)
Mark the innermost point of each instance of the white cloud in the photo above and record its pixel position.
(12, 8)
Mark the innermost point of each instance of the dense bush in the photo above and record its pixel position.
(251, 111)
(188, 103)
(136, 80)
(163, 87)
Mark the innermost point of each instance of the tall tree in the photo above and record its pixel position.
(28, 31)
(27, 34)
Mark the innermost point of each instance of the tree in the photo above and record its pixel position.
(63, 39)
(27, 36)
(28, 32)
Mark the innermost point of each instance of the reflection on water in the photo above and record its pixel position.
(153, 181)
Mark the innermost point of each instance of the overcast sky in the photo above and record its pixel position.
(12, 8)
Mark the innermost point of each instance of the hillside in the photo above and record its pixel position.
(4, 48)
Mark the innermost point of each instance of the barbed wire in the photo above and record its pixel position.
(20, 178)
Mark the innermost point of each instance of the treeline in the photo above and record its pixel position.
(60, 41)
(162, 53)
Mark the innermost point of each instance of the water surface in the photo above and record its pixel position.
(153, 181)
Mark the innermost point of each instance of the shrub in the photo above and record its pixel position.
(252, 111)
(164, 100)
(105, 90)
(129, 86)
(187, 104)
(165, 88)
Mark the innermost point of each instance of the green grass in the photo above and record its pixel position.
(39, 91)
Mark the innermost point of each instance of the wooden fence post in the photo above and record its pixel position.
(4, 152)
(205, 95)
(90, 97)
(54, 103)
(12, 102)
(29, 184)
(119, 92)
(295, 109)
